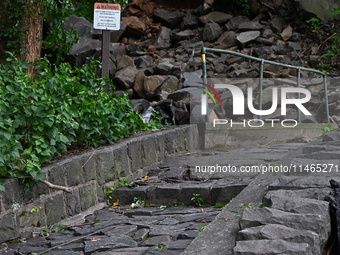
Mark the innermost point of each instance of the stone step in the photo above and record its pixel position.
(271, 247)
(313, 222)
(297, 205)
(281, 232)
(160, 193)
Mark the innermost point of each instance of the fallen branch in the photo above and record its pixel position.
(53, 186)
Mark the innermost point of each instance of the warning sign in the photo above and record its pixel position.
(106, 16)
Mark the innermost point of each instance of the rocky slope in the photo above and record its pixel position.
(158, 48)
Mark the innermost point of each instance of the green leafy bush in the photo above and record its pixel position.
(42, 116)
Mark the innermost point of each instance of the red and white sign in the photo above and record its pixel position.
(106, 16)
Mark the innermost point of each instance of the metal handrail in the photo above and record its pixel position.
(262, 62)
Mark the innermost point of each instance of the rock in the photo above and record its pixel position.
(163, 39)
(118, 50)
(140, 105)
(143, 62)
(267, 33)
(295, 46)
(182, 35)
(170, 85)
(323, 8)
(280, 232)
(84, 49)
(115, 35)
(211, 32)
(245, 38)
(185, 96)
(166, 66)
(297, 205)
(80, 24)
(287, 33)
(234, 22)
(125, 61)
(151, 85)
(310, 193)
(312, 222)
(277, 24)
(189, 22)
(167, 18)
(138, 85)
(108, 243)
(135, 27)
(125, 77)
(227, 39)
(271, 247)
(215, 17)
(156, 240)
(249, 26)
(262, 52)
(265, 41)
(331, 136)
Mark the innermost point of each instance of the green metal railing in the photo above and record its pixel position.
(262, 62)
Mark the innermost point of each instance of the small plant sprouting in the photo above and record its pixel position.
(315, 23)
(196, 198)
(327, 129)
(248, 206)
(219, 205)
(200, 230)
(162, 247)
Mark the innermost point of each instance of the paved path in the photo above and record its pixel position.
(255, 183)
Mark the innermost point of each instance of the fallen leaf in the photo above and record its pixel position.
(145, 178)
(116, 203)
(148, 204)
(95, 239)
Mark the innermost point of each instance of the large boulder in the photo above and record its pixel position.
(322, 8)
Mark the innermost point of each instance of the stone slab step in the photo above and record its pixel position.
(281, 232)
(271, 247)
(262, 216)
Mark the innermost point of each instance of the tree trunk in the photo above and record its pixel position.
(32, 39)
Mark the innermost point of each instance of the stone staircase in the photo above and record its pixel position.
(293, 219)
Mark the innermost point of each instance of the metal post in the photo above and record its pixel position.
(326, 98)
(261, 86)
(202, 126)
(105, 53)
(298, 85)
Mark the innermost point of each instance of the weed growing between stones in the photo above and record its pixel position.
(196, 198)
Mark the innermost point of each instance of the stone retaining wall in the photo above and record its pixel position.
(22, 213)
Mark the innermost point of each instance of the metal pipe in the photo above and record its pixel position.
(264, 60)
(299, 84)
(326, 97)
(261, 86)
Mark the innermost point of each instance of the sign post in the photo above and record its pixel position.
(107, 18)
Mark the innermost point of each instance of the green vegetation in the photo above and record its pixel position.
(196, 198)
(200, 230)
(315, 23)
(162, 247)
(219, 205)
(327, 128)
(60, 108)
(55, 12)
(120, 183)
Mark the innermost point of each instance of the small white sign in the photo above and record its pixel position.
(106, 16)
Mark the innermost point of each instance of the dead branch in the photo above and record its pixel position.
(53, 186)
